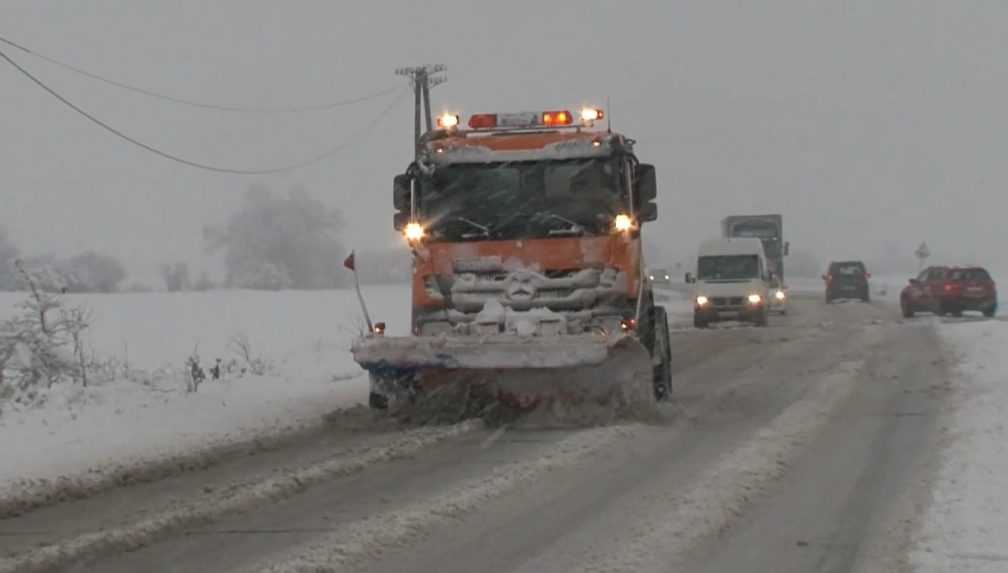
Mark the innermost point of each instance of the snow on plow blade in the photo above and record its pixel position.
(482, 352)
(523, 370)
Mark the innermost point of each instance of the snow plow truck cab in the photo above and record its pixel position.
(528, 280)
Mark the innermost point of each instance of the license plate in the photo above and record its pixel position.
(975, 290)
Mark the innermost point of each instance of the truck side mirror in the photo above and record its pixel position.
(648, 212)
(787, 248)
(645, 193)
(402, 200)
(690, 279)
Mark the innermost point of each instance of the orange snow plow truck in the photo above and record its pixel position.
(527, 280)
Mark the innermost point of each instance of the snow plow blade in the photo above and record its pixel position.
(523, 371)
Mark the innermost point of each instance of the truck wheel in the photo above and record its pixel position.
(377, 402)
(761, 318)
(662, 347)
(990, 312)
(699, 321)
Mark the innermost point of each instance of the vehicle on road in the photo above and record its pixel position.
(769, 229)
(528, 279)
(950, 290)
(659, 276)
(847, 280)
(732, 282)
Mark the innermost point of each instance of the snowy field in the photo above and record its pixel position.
(966, 527)
(304, 337)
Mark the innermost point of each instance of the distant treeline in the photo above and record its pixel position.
(270, 242)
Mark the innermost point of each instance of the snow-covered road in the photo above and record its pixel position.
(805, 446)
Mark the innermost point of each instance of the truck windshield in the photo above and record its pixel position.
(766, 231)
(728, 267)
(521, 199)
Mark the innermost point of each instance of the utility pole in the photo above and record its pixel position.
(422, 79)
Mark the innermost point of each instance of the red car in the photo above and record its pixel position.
(950, 290)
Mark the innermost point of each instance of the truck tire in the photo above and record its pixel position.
(699, 321)
(990, 312)
(663, 349)
(377, 402)
(761, 318)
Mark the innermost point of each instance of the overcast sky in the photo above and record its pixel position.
(870, 125)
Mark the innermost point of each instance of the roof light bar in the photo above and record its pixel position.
(555, 118)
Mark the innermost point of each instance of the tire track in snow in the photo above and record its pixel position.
(674, 521)
(243, 497)
(368, 538)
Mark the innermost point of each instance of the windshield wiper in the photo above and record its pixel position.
(484, 230)
(574, 229)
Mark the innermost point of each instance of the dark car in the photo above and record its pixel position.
(847, 279)
(950, 290)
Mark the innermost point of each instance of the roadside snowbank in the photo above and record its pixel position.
(966, 527)
(81, 437)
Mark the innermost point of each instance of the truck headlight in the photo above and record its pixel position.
(702, 300)
(755, 298)
(779, 295)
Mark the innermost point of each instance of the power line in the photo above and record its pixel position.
(198, 104)
(291, 167)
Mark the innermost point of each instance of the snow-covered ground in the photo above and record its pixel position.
(966, 526)
(85, 433)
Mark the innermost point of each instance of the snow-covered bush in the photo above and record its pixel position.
(247, 361)
(42, 343)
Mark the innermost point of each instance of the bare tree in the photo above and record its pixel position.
(92, 272)
(8, 254)
(241, 347)
(175, 276)
(280, 242)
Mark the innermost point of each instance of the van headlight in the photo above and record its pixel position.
(702, 300)
(755, 298)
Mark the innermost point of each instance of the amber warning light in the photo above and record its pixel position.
(551, 118)
(590, 114)
(448, 121)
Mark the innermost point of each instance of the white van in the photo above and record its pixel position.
(731, 282)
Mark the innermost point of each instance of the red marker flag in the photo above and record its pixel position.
(349, 262)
